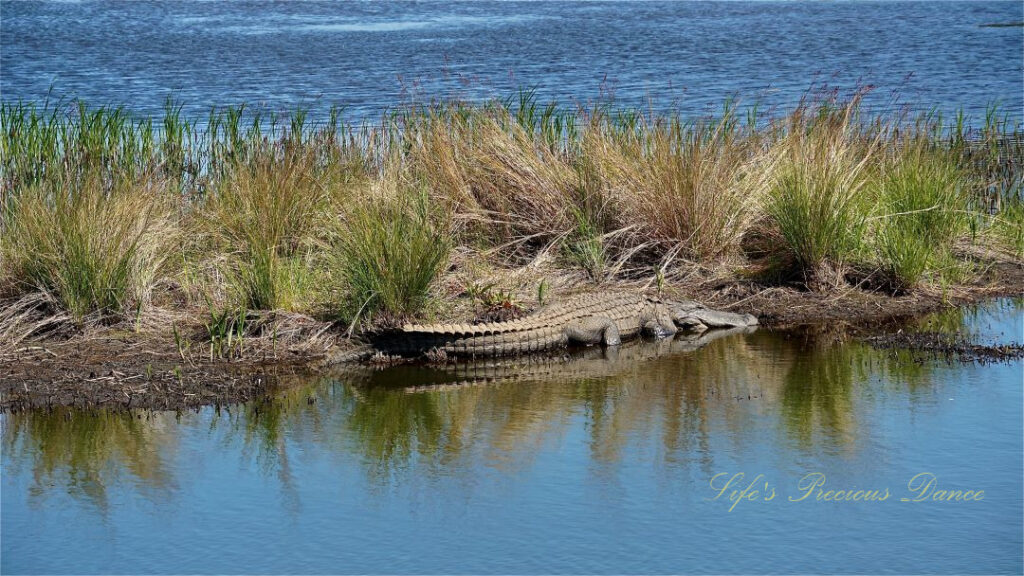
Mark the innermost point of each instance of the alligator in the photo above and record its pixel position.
(588, 319)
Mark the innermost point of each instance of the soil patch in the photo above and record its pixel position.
(126, 373)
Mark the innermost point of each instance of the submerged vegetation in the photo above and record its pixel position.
(105, 214)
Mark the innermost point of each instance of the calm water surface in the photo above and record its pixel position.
(368, 56)
(598, 463)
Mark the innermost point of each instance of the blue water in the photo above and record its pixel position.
(690, 56)
(600, 464)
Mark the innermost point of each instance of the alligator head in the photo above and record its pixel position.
(695, 317)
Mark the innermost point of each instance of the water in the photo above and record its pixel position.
(591, 464)
(370, 56)
(594, 464)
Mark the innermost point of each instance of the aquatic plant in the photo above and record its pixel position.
(225, 330)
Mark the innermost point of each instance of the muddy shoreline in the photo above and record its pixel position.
(114, 367)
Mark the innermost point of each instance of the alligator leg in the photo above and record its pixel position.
(660, 325)
(593, 330)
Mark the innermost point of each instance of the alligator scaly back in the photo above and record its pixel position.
(605, 318)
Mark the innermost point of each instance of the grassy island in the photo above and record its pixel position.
(252, 235)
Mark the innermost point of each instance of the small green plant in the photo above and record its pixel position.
(498, 304)
(659, 280)
(226, 332)
(490, 296)
(182, 343)
(585, 248)
(542, 291)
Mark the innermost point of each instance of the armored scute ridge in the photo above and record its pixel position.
(582, 320)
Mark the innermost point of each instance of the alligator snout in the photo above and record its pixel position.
(700, 319)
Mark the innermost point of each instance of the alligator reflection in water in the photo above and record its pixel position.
(588, 362)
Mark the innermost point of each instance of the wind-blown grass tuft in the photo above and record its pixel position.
(390, 251)
(267, 218)
(92, 250)
(816, 201)
(924, 203)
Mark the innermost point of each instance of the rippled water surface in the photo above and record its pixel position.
(368, 56)
(599, 462)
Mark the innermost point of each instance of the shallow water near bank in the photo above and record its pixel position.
(592, 462)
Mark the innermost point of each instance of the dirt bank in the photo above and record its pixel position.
(149, 368)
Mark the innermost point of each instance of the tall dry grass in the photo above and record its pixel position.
(267, 224)
(691, 187)
(493, 172)
(94, 250)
